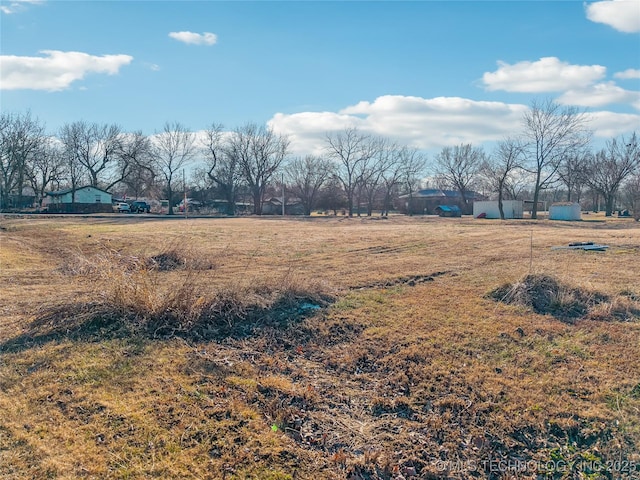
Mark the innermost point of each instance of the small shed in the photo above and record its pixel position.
(448, 211)
(565, 211)
(491, 209)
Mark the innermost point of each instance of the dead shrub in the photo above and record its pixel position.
(169, 294)
(620, 308)
(166, 261)
(141, 302)
(75, 263)
(179, 259)
(187, 305)
(548, 296)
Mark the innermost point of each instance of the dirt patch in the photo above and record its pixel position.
(386, 249)
(410, 280)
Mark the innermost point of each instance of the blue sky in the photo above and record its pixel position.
(427, 73)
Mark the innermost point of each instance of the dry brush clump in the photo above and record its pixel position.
(172, 258)
(148, 295)
(175, 258)
(545, 294)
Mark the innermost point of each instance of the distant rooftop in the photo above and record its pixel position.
(440, 193)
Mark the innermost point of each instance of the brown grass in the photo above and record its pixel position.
(410, 371)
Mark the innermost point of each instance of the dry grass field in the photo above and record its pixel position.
(139, 347)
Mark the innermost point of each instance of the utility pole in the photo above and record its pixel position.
(283, 199)
(184, 200)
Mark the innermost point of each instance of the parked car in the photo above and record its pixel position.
(121, 207)
(140, 207)
(192, 205)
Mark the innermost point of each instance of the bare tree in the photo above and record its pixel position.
(74, 174)
(46, 168)
(134, 167)
(332, 196)
(498, 169)
(351, 150)
(391, 177)
(405, 167)
(306, 177)
(371, 172)
(141, 180)
(21, 138)
(551, 133)
(632, 194)
(222, 168)
(413, 169)
(259, 153)
(572, 174)
(94, 146)
(174, 148)
(458, 166)
(607, 170)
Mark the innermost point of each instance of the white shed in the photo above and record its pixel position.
(490, 209)
(565, 211)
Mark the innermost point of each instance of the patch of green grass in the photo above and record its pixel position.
(350, 302)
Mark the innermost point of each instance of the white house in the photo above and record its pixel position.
(83, 195)
(490, 209)
(85, 200)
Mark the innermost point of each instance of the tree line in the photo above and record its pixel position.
(355, 172)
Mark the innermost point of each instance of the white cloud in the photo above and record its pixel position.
(17, 6)
(191, 38)
(548, 74)
(56, 71)
(307, 130)
(428, 123)
(609, 124)
(599, 95)
(419, 122)
(629, 74)
(623, 15)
